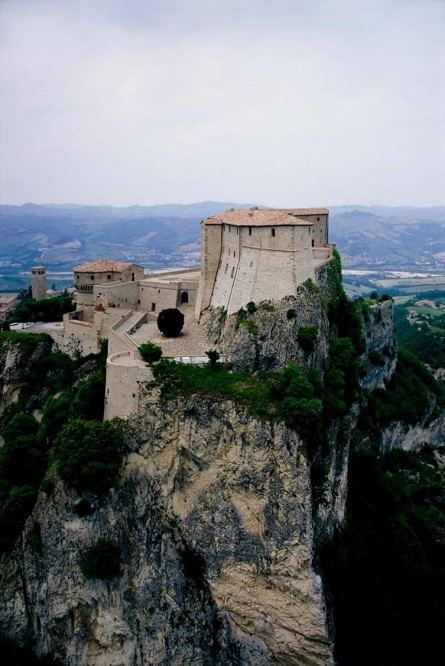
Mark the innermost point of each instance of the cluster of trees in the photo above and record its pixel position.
(386, 569)
(48, 309)
(70, 439)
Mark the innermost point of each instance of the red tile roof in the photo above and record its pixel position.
(102, 266)
(259, 217)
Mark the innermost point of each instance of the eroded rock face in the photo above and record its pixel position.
(381, 345)
(267, 339)
(213, 516)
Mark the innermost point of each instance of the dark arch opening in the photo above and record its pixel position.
(184, 297)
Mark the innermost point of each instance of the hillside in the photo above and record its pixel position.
(377, 240)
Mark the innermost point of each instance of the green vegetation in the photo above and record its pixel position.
(61, 389)
(150, 352)
(307, 337)
(408, 394)
(291, 396)
(386, 569)
(250, 325)
(424, 333)
(88, 454)
(251, 307)
(267, 307)
(48, 309)
(101, 560)
(170, 322)
(213, 356)
(291, 313)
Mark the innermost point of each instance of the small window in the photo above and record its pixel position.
(92, 277)
(153, 307)
(77, 277)
(184, 297)
(318, 219)
(231, 274)
(234, 253)
(230, 229)
(139, 301)
(108, 277)
(273, 232)
(237, 231)
(250, 231)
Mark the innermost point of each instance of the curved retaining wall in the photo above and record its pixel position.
(125, 376)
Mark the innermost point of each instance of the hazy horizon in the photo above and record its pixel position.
(283, 103)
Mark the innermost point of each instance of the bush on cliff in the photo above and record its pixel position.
(101, 560)
(88, 454)
(150, 352)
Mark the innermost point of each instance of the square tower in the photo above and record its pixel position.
(38, 282)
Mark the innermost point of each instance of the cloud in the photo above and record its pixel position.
(284, 102)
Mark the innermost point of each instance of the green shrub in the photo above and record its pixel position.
(250, 326)
(240, 317)
(213, 356)
(251, 307)
(101, 560)
(376, 358)
(88, 402)
(267, 307)
(88, 454)
(150, 352)
(14, 512)
(170, 322)
(307, 337)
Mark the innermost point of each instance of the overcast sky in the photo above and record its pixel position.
(276, 102)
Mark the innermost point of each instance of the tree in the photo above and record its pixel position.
(88, 454)
(170, 322)
(150, 352)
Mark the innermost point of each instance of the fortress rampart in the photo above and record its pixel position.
(255, 255)
(125, 376)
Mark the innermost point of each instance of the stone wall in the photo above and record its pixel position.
(260, 263)
(117, 295)
(210, 257)
(126, 374)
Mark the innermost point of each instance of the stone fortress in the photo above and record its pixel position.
(246, 255)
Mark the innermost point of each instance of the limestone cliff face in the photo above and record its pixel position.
(213, 515)
(267, 339)
(380, 357)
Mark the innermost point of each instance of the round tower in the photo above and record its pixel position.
(38, 282)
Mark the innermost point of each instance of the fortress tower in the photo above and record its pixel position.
(257, 254)
(38, 282)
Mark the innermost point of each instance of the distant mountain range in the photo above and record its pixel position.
(61, 236)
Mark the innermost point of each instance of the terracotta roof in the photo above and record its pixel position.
(102, 266)
(265, 217)
(306, 211)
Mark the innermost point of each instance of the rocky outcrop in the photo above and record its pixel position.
(380, 357)
(213, 516)
(413, 438)
(267, 338)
